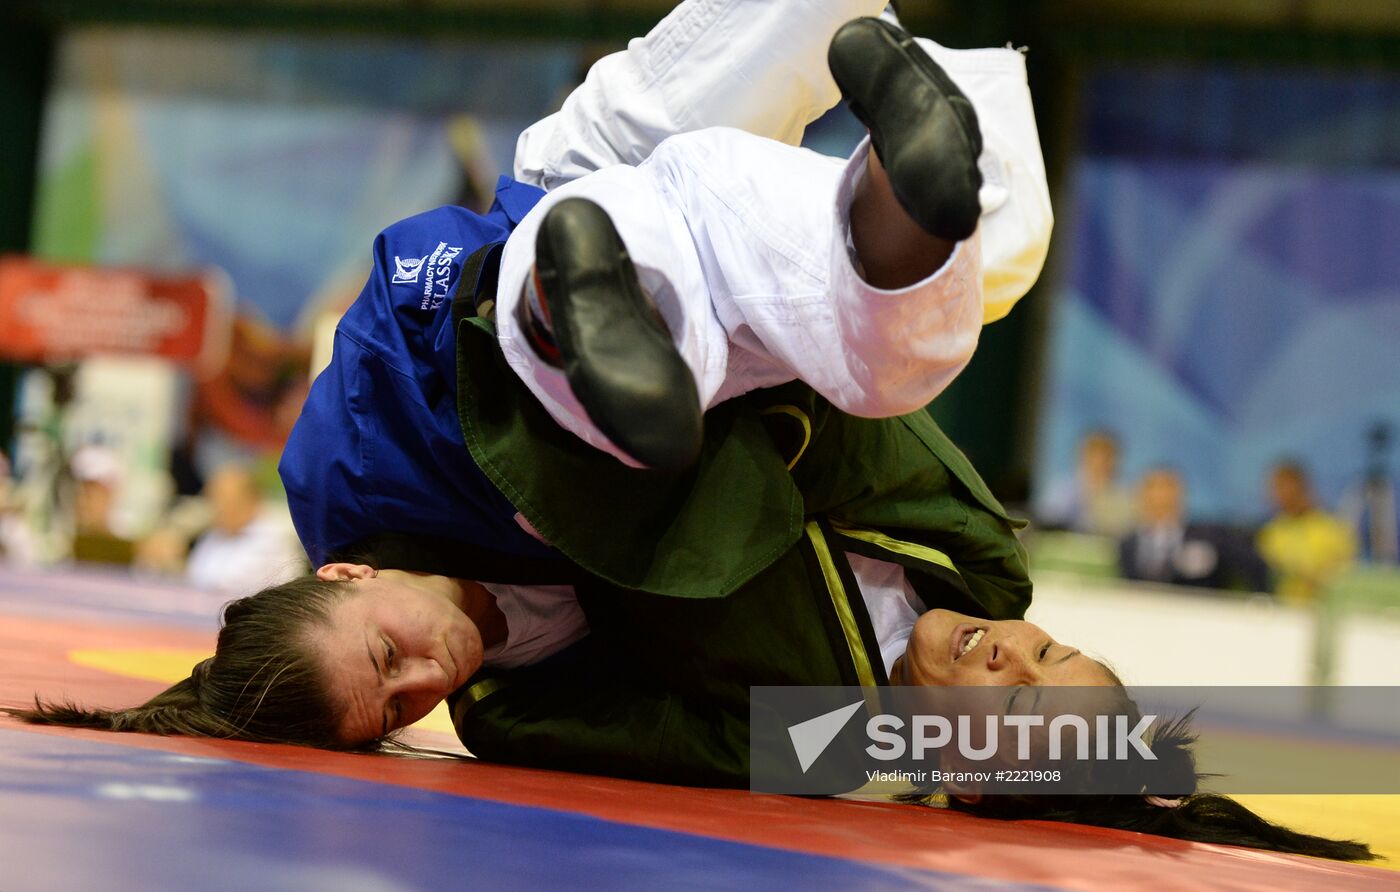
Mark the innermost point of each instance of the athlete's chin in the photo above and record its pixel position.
(467, 670)
(469, 658)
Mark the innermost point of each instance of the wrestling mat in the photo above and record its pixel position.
(88, 810)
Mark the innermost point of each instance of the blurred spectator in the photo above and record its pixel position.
(101, 530)
(1092, 500)
(163, 552)
(97, 474)
(17, 543)
(1166, 547)
(1303, 545)
(247, 546)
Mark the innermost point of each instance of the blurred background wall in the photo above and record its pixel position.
(1227, 293)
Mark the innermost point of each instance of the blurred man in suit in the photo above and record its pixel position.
(1167, 547)
(1092, 500)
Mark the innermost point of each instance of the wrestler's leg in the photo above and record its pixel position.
(1015, 197)
(787, 285)
(756, 65)
(734, 206)
(760, 66)
(741, 244)
(893, 250)
(586, 311)
(652, 225)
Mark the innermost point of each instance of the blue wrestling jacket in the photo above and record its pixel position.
(376, 462)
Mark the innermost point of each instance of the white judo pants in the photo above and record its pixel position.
(743, 242)
(760, 66)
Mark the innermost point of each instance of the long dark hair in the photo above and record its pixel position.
(263, 683)
(1184, 813)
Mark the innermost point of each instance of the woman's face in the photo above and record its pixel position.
(948, 648)
(394, 649)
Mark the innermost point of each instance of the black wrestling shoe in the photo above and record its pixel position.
(924, 129)
(613, 347)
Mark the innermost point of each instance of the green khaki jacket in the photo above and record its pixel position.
(698, 585)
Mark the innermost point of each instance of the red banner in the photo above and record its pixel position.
(52, 312)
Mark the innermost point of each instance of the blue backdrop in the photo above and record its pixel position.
(1231, 289)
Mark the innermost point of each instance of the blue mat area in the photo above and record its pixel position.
(84, 815)
(99, 596)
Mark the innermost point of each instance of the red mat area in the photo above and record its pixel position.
(33, 656)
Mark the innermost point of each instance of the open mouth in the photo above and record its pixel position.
(965, 639)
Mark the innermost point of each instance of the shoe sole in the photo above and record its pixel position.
(616, 354)
(939, 193)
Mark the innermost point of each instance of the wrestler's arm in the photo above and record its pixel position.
(573, 719)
